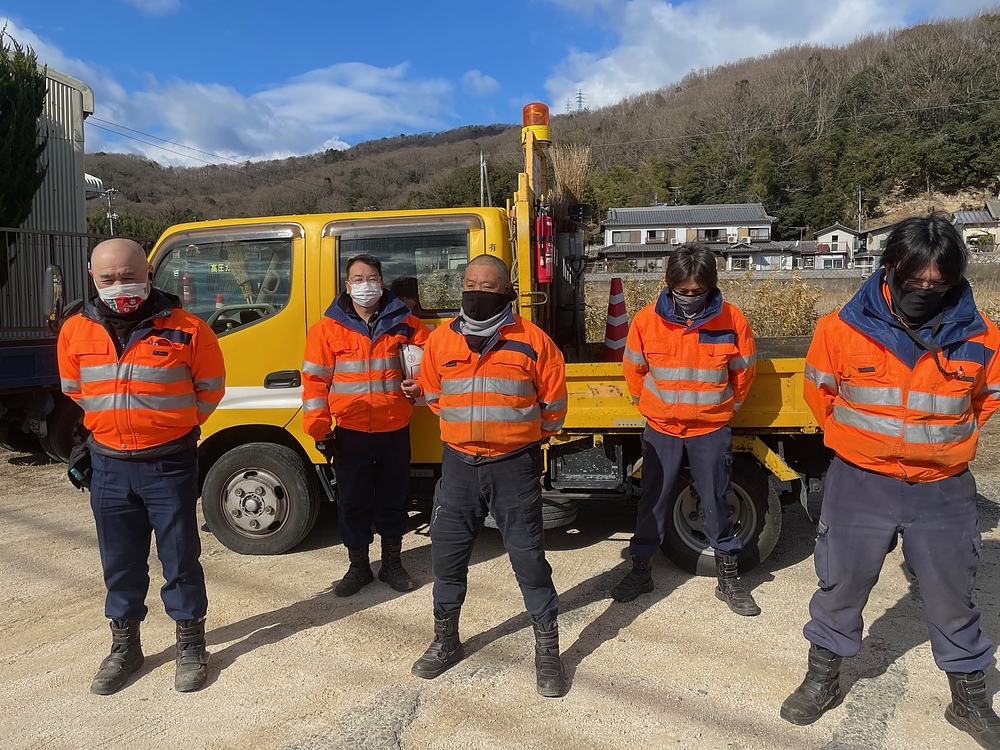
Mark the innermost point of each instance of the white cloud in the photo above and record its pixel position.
(476, 83)
(658, 42)
(154, 7)
(321, 109)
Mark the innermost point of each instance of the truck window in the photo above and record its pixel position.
(422, 265)
(229, 284)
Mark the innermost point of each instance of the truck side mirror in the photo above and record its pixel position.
(52, 297)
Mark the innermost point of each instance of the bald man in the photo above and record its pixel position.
(498, 384)
(147, 375)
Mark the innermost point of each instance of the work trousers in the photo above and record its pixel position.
(861, 516)
(510, 490)
(132, 498)
(373, 475)
(710, 457)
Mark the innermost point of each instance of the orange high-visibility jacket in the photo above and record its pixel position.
(689, 378)
(497, 401)
(353, 377)
(168, 379)
(882, 401)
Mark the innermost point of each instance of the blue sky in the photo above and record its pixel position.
(258, 80)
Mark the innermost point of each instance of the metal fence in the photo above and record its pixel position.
(29, 252)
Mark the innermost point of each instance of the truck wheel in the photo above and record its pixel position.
(555, 513)
(260, 499)
(64, 429)
(756, 512)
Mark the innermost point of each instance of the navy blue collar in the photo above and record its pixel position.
(868, 313)
(391, 312)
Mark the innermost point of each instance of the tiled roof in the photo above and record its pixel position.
(722, 214)
(964, 218)
(993, 206)
(839, 227)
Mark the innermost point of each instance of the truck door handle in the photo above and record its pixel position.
(283, 379)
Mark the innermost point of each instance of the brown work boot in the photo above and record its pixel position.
(444, 651)
(358, 575)
(637, 581)
(970, 709)
(392, 570)
(731, 589)
(192, 657)
(125, 658)
(819, 692)
(550, 677)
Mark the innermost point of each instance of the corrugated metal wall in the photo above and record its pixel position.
(59, 203)
(21, 313)
(54, 232)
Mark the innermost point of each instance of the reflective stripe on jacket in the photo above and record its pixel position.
(882, 401)
(689, 378)
(169, 378)
(498, 401)
(353, 377)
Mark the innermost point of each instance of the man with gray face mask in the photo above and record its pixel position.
(689, 362)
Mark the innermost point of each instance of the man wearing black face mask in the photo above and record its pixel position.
(498, 384)
(901, 379)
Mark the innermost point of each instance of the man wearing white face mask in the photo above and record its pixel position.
(147, 375)
(352, 375)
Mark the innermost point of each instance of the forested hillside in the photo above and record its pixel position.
(911, 112)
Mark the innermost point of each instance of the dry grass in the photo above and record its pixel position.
(774, 307)
(570, 164)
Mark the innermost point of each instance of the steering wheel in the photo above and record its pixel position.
(224, 312)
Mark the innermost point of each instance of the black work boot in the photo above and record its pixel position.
(819, 691)
(445, 649)
(358, 575)
(637, 581)
(730, 588)
(970, 709)
(392, 570)
(550, 677)
(125, 658)
(192, 657)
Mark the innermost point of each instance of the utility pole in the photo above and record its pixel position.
(109, 194)
(485, 198)
(859, 209)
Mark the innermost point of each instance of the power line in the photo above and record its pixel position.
(198, 151)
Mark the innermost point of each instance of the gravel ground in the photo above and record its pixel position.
(295, 667)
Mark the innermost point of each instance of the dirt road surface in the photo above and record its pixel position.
(295, 668)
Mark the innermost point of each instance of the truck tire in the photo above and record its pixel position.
(555, 513)
(756, 513)
(64, 429)
(260, 499)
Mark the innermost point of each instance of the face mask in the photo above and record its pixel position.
(366, 294)
(124, 298)
(484, 305)
(914, 307)
(689, 307)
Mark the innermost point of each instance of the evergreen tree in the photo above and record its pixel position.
(22, 98)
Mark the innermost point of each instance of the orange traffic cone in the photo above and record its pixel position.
(219, 304)
(616, 330)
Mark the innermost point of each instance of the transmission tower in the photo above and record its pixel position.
(579, 100)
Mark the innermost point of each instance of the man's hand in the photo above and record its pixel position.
(328, 447)
(411, 389)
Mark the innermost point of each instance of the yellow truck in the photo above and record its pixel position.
(261, 282)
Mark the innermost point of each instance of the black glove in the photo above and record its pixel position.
(328, 447)
(80, 469)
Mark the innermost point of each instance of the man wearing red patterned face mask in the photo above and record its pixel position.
(147, 375)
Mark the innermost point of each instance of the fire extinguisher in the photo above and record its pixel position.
(186, 287)
(544, 238)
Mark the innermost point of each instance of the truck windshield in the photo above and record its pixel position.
(423, 266)
(228, 284)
